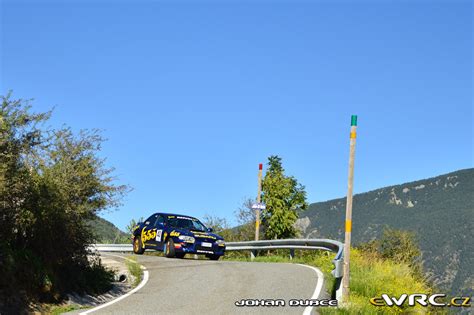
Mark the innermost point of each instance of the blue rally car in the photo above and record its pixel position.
(176, 235)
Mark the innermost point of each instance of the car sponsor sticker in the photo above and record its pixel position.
(148, 235)
(158, 235)
(186, 218)
(200, 235)
(204, 244)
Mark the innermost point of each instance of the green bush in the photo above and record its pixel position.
(51, 184)
(372, 276)
(397, 245)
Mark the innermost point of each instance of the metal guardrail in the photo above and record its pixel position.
(255, 246)
(292, 244)
(321, 244)
(112, 247)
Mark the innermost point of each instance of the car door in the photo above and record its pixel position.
(160, 231)
(148, 233)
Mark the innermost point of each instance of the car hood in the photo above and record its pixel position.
(197, 234)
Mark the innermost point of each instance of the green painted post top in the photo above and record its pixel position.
(354, 120)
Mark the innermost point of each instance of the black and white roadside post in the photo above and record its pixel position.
(258, 206)
(257, 209)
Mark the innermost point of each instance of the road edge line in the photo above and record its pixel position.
(317, 290)
(140, 285)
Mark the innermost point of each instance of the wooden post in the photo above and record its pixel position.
(347, 242)
(257, 211)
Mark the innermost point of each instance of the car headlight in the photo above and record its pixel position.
(187, 239)
(220, 242)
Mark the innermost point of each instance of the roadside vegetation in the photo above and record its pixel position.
(57, 310)
(52, 182)
(388, 265)
(135, 270)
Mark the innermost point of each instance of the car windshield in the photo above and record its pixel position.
(187, 224)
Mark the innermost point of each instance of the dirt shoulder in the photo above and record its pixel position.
(76, 303)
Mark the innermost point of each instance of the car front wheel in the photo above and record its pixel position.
(169, 251)
(138, 246)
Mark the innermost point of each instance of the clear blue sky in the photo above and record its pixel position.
(193, 95)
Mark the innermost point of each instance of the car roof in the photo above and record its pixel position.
(175, 214)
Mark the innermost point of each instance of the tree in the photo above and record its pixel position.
(220, 226)
(19, 138)
(283, 196)
(51, 183)
(131, 225)
(397, 245)
(245, 215)
(217, 224)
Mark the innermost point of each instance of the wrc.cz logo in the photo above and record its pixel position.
(438, 300)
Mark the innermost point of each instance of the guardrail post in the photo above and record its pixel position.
(253, 253)
(292, 254)
(257, 211)
(337, 273)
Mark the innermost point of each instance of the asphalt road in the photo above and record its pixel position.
(188, 286)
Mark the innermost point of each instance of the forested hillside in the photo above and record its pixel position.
(106, 232)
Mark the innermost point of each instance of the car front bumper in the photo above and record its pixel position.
(198, 248)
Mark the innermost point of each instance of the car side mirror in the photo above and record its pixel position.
(210, 229)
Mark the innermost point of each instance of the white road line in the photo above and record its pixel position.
(317, 290)
(141, 285)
